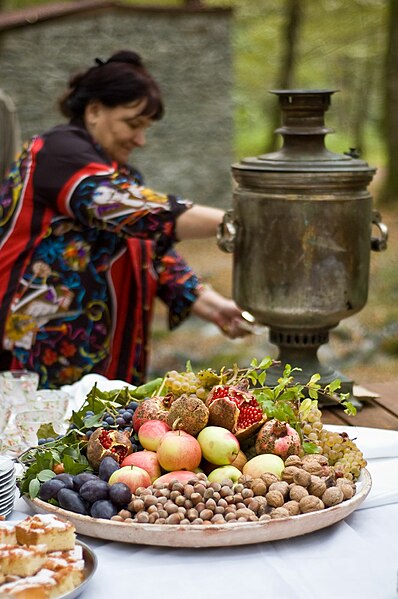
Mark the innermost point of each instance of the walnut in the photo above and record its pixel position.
(279, 512)
(293, 507)
(269, 478)
(313, 467)
(293, 460)
(297, 492)
(282, 486)
(310, 503)
(332, 496)
(288, 472)
(275, 498)
(317, 457)
(302, 478)
(317, 486)
(348, 491)
(259, 487)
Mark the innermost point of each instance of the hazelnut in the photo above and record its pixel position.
(230, 517)
(332, 496)
(137, 505)
(310, 503)
(207, 514)
(124, 514)
(142, 517)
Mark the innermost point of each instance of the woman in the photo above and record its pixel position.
(86, 248)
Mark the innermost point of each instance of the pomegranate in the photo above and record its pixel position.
(153, 408)
(279, 438)
(113, 443)
(235, 408)
(188, 413)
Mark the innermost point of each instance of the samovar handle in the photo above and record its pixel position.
(226, 232)
(378, 244)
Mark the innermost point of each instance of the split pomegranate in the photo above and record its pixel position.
(235, 408)
(113, 443)
(279, 438)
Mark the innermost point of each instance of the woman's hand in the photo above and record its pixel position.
(223, 312)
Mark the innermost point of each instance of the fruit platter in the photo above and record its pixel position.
(199, 459)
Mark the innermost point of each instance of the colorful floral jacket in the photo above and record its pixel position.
(84, 250)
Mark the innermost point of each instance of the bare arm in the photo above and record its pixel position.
(199, 222)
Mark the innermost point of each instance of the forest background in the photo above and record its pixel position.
(350, 47)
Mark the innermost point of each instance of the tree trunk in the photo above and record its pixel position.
(389, 193)
(293, 21)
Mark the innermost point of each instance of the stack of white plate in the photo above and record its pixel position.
(7, 485)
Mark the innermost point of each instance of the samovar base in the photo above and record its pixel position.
(300, 350)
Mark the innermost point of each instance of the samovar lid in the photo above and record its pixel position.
(303, 130)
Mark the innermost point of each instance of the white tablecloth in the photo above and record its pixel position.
(355, 558)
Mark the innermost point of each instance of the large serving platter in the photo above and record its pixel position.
(197, 536)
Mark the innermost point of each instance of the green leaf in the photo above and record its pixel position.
(310, 447)
(34, 488)
(146, 390)
(46, 430)
(44, 475)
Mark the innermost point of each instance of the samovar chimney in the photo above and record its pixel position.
(300, 231)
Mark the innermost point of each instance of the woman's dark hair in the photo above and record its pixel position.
(119, 80)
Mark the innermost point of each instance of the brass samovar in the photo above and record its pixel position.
(301, 234)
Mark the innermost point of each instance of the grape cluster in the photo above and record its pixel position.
(88, 494)
(121, 420)
(341, 451)
(178, 383)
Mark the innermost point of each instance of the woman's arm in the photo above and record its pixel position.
(199, 222)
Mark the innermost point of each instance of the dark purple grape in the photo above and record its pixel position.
(103, 508)
(110, 420)
(93, 490)
(50, 488)
(107, 467)
(66, 478)
(70, 500)
(83, 477)
(132, 405)
(89, 433)
(120, 494)
(120, 421)
(127, 416)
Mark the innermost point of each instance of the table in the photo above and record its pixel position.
(357, 557)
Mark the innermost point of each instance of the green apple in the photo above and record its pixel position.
(265, 462)
(219, 446)
(223, 472)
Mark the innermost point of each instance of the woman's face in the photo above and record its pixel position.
(117, 130)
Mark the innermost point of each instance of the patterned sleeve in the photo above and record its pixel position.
(73, 178)
(119, 204)
(177, 286)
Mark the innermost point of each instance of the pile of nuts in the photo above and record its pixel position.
(307, 484)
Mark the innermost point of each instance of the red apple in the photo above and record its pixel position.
(179, 450)
(147, 460)
(132, 476)
(183, 476)
(151, 432)
(219, 446)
